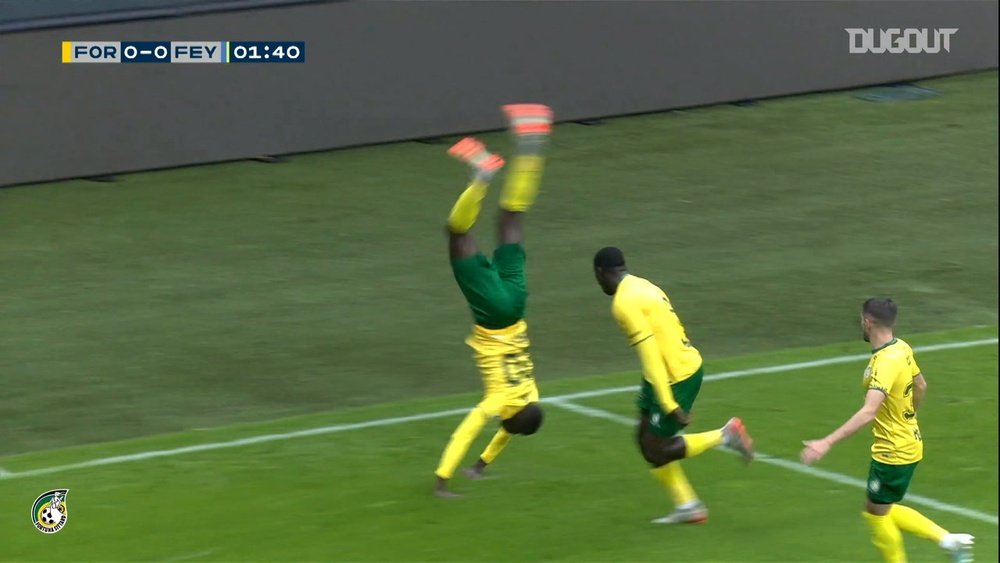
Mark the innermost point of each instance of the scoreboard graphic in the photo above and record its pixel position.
(220, 52)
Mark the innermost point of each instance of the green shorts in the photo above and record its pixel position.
(887, 484)
(685, 392)
(496, 290)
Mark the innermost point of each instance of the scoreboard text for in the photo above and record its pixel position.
(183, 51)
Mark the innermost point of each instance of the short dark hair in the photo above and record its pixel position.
(526, 422)
(881, 309)
(609, 258)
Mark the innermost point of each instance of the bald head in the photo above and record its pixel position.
(609, 258)
(609, 268)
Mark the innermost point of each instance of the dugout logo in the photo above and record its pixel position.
(49, 513)
(896, 41)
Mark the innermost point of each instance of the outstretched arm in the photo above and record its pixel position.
(655, 372)
(633, 322)
(815, 449)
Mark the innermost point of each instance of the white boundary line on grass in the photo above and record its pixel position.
(781, 368)
(334, 428)
(798, 467)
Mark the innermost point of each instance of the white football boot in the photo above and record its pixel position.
(696, 513)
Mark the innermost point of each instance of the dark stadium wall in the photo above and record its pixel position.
(385, 71)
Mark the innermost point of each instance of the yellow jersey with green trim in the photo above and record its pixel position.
(644, 311)
(897, 435)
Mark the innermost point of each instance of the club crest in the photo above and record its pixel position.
(49, 512)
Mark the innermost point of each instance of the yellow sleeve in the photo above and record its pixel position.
(633, 322)
(628, 313)
(911, 363)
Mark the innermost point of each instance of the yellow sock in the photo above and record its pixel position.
(672, 477)
(460, 441)
(466, 209)
(696, 444)
(496, 445)
(521, 184)
(913, 522)
(886, 537)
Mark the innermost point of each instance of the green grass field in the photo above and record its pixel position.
(576, 492)
(207, 304)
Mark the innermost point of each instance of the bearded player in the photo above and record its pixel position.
(894, 388)
(672, 376)
(496, 291)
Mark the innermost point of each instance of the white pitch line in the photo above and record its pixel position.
(783, 368)
(260, 439)
(798, 467)
(249, 441)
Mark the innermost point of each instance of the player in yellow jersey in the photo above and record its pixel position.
(496, 292)
(672, 376)
(894, 389)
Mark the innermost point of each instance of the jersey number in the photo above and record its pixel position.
(518, 367)
(916, 435)
(909, 411)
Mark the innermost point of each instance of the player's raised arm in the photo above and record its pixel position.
(633, 322)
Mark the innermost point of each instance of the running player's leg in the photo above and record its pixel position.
(664, 453)
(913, 522)
(664, 448)
(668, 472)
(885, 533)
(670, 446)
(883, 491)
(887, 485)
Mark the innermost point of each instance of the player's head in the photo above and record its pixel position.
(609, 265)
(877, 314)
(526, 422)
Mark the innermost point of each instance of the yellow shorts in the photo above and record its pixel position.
(505, 403)
(509, 384)
(504, 361)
